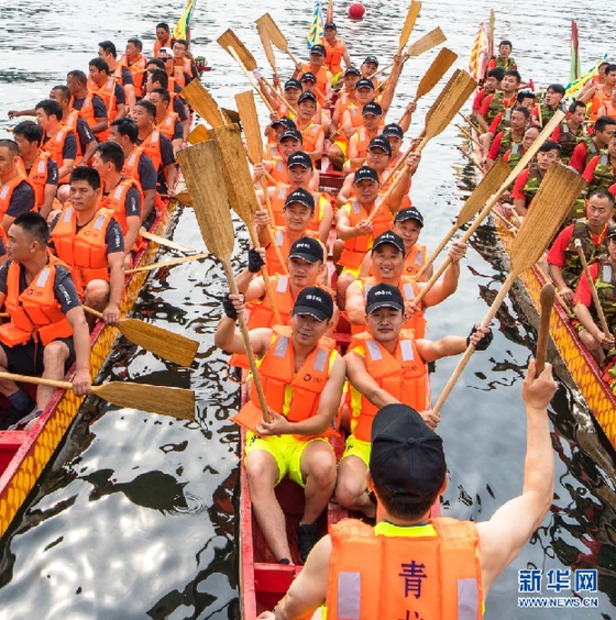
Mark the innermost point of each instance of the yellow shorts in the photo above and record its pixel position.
(343, 146)
(286, 450)
(351, 270)
(358, 448)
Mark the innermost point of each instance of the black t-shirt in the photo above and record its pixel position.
(85, 134)
(69, 150)
(147, 173)
(132, 203)
(52, 172)
(179, 108)
(166, 151)
(2, 247)
(100, 109)
(22, 200)
(178, 130)
(64, 288)
(120, 96)
(113, 237)
(127, 77)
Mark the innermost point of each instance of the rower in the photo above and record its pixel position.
(107, 51)
(502, 100)
(387, 364)
(609, 106)
(362, 569)
(302, 377)
(155, 145)
(300, 172)
(552, 99)
(372, 114)
(90, 106)
(590, 146)
(292, 91)
(106, 86)
(600, 173)
(563, 259)
(167, 121)
(368, 68)
(41, 169)
(47, 331)
(308, 81)
(273, 132)
(335, 51)
(316, 66)
(388, 266)
(513, 155)
(528, 181)
(600, 94)
(502, 120)
(184, 69)
(504, 60)
(121, 195)
(289, 141)
(90, 242)
(135, 62)
(313, 133)
(137, 165)
(603, 275)
(163, 38)
(491, 84)
(157, 78)
(407, 224)
(504, 139)
(17, 194)
(571, 131)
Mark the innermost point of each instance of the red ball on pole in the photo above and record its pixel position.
(356, 10)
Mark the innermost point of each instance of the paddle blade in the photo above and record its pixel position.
(427, 42)
(557, 193)
(238, 179)
(440, 65)
(203, 103)
(267, 44)
(446, 88)
(489, 185)
(167, 344)
(201, 165)
(228, 39)
(198, 134)
(275, 34)
(174, 402)
(250, 123)
(546, 300)
(409, 24)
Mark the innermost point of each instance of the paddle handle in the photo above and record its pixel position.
(593, 290)
(250, 78)
(63, 385)
(92, 311)
(280, 96)
(168, 263)
(437, 251)
(226, 264)
(546, 298)
(164, 241)
(471, 347)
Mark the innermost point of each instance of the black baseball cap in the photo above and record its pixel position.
(307, 95)
(329, 25)
(365, 172)
(291, 133)
(372, 107)
(308, 249)
(393, 129)
(308, 77)
(293, 83)
(372, 59)
(410, 213)
(301, 196)
(318, 49)
(352, 70)
(389, 236)
(286, 122)
(299, 159)
(364, 83)
(384, 296)
(611, 235)
(379, 142)
(407, 461)
(315, 302)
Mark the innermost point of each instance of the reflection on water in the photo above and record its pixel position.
(136, 517)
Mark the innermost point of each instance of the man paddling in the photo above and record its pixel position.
(302, 377)
(16, 190)
(459, 560)
(48, 329)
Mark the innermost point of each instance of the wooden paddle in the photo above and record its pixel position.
(203, 103)
(276, 37)
(168, 263)
(202, 168)
(267, 45)
(558, 191)
(593, 290)
(457, 93)
(409, 24)
(167, 344)
(198, 134)
(175, 402)
(440, 65)
(546, 301)
(168, 243)
(524, 161)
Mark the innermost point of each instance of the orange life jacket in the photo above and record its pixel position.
(278, 200)
(137, 70)
(362, 138)
(409, 291)
(107, 93)
(7, 189)
(167, 125)
(87, 113)
(115, 203)
(151, 147)
(278, 376)
(279, 171)
(178, 76)
(35, 313)
(600, 98)
(84, 251)
(283, 110)
(322, 79)
(310, 136)
(355, 248)
(158, 45)
(404, 573)
(55, 146)
(37, 176)
(404, 375)
(333, 56)
(415, 259)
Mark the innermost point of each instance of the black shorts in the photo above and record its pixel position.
(27, 359)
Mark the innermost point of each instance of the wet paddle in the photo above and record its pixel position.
(174, 402)
(492, 200)
(558, 191)
(167, 344)
(168, 263)
(593, 290)
(168, 243)
(546, 301)
(202, 168)
(409, 24)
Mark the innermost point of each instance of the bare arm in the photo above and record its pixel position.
(67, 167)
(502, 537)
(344, 195)
(149, 198)
(364, 383)
(171, 174)
(116, 285)
(81, 342)
(355, 305)
(564, 291)
(325, 225)
(230, 340)
(133, 223)
(448, 285)
(131, 99)
(585, 318)
(48, 195)
(100, 125)
(89, 152)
